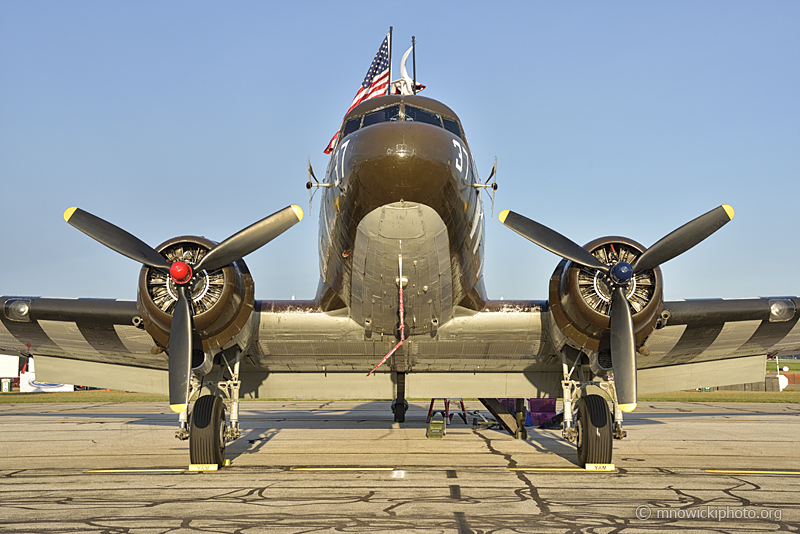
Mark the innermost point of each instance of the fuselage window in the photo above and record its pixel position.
(382, 115)
(351, 126)
(452, 127)
(420, 115)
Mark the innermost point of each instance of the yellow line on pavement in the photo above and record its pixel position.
(96, 419)
(135, 470)
(743, 472)
(545, 469)
(709, 418)
(341, 469)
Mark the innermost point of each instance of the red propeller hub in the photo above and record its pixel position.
(180, 272)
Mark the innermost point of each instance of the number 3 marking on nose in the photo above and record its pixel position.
(462, 155)
(459, 163)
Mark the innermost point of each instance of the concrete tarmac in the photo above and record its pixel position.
(345, 467)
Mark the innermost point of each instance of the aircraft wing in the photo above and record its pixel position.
(708, 330)
(708, 343)
(711, 342)
(94, 330)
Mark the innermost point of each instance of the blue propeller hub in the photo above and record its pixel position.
(621, 273)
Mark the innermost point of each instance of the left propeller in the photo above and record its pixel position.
(230, 250)
(618, 276)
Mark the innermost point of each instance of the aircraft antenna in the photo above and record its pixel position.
(414, 61)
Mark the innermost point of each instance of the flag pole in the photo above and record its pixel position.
(389, 88)
(414, 61)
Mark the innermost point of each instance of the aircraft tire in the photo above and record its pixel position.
(207, 431)
(399, 409)
(594, 431)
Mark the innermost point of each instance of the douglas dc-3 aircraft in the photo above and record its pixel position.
(401, 248)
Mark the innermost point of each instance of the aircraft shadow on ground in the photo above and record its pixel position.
(261, 422)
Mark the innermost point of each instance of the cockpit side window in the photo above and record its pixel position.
(452, 127)
(391, 113)
(420, 115)
(351, 126)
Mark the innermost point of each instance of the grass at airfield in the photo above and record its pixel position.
(787, 396)
(793, 365)
(92, 395)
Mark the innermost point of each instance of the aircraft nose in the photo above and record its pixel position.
(401, 161)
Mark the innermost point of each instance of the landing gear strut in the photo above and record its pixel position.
(587, 420)
(400, 404)
(205, 427)
(521, 416)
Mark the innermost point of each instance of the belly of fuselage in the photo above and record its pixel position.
(417, 234)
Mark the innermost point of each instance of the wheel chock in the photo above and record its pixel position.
(437, 428)
(203, 467)
(600, 467)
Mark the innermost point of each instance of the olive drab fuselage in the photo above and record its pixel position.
(401, 182)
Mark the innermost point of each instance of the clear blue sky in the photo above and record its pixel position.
(607, 118)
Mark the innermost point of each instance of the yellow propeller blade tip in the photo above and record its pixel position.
(68, 213)
(177, 408)
(502, 216)
(298, 211)
(627, 408)
(728, 210)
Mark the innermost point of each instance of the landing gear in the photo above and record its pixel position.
(400, 404)
(593, 427)
(205, 427)
(399, 408)
(208, 430)
(521, 416)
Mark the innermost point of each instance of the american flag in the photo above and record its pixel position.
(375, 83)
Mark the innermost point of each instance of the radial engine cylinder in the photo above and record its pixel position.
(222, 300)
(580, 299)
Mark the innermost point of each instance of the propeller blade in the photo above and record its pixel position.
(115, 238)
(550, 240)
(180, 352)
(623, 351)
(679, 241)
(250, 239)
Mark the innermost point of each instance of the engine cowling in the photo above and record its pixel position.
(580, 298)
(222, 300)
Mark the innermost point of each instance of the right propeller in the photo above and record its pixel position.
(183, 275)
(618, 276)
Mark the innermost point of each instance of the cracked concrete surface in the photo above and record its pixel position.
(478, 481)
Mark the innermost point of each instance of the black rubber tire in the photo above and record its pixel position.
(207, 431)
(595, 434)
(399, 409)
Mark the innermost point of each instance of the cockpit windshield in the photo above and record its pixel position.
(452, 126)
(420, 115)
(382, 115)
(398, 113)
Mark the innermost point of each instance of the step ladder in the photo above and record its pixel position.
(447, 414)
